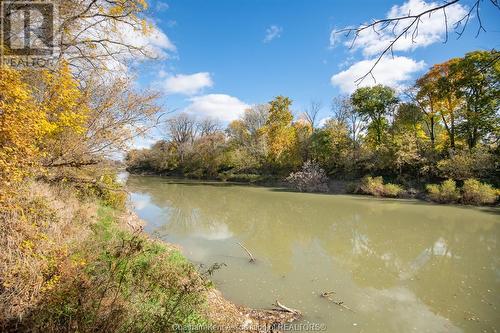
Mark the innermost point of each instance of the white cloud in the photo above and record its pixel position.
(156, 42)
(322, 122)
(431, 29)
(272, 32)
(218, 106)
(143, 142)
(187, 84)
(162, 6)
(393, 72)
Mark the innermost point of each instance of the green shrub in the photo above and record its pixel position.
(373, 186)
(106, 188)
(123, 282)
(352, 187)
(111, 192)
(476, 193)
(446, 192)
(240, 177)
(392, 190)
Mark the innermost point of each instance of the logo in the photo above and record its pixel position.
(27, 34)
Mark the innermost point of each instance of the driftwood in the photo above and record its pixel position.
(328, 296)
(252, 259)
(286, 309)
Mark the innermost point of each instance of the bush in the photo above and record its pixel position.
(312, 178)
(372, 186)
(375, 186)
(106, 188)
(446, 192)
(352, 187)
(392, 190)
(464, 164)
(476, 193)
(240, 177)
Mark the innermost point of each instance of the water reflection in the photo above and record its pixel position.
(401, 266)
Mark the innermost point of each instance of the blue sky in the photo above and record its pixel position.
(233, 53)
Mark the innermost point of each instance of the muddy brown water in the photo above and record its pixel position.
(397, 266)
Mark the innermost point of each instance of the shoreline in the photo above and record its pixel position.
(336, 187)
(226, 315)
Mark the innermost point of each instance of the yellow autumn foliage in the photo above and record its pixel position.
(35, 120)
(22, 124)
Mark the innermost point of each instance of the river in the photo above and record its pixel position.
(397, 265)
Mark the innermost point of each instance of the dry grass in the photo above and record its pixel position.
(68, 264)
(36, 233)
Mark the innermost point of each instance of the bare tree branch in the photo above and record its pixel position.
(409, 28)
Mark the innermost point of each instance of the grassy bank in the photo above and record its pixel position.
(72, 262)
(78, 265)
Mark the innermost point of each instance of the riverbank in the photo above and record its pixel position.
(73, 262)
(471, 191)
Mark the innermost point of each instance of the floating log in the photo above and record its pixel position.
(252, 259)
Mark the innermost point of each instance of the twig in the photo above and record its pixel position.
(286, 309)
(410, 25)
(328, 295)
(252, 259)
(341, 303)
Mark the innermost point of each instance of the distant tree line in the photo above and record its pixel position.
(445, 126)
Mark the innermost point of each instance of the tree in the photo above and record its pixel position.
(181, 130)
(279, 131)
(344, 112)
(436, 97)
(448, 102)
(97, 36)
(425, 97)
(331, 146)
(118, 113)
(247, 138)
(311, 113)
(406, 151)
(476, 81)
(208, 126)
(375, 103)
(409, 117)
(256, 117)
(22, 125)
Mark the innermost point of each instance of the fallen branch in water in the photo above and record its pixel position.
(328, 295)
(341, 303)
(286, 309)
(252, 259)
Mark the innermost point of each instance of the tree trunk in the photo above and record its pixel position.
(432, 135)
